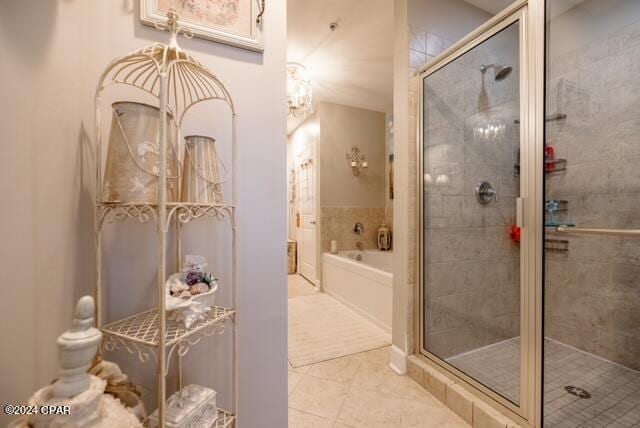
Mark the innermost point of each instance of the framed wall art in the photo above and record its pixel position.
(233, 22)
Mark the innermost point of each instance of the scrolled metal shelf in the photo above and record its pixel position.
(109, 212)
(186, 212)
(225, 419)
(139, 334)
(178, 82)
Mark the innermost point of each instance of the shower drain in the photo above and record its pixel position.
(578, 392)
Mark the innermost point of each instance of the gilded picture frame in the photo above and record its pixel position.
(233, 22)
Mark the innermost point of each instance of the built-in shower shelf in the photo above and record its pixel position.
(555, 165)
(560, 224)
(552, 208)
(550, 166)
(556, 245)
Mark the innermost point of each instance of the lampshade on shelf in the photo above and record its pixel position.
(132, 171)
(201, 181)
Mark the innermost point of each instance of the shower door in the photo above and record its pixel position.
(474, 287)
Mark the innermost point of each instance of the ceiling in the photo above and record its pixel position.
(496, 6)
(491, 6)
(352, 65)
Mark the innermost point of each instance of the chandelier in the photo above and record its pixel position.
(493, 131)
(298, 89)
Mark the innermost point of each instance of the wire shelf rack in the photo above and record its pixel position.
(143, 327)
(177, 81)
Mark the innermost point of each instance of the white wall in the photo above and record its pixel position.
(51, 54)
(341, 128)
(43, 174)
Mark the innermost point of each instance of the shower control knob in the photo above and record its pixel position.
(485, 192)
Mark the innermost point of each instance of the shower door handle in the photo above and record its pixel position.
(604, 232)
(520, 212)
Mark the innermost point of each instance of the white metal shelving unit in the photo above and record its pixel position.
(177, 81)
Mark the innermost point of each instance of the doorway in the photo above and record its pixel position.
(340, 335)
(306, 211)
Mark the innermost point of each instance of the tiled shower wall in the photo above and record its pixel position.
(338, 222)
(593, 291)
(424, 46)
(418, 57)
(472, 266)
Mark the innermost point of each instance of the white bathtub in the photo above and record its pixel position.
(364, 285)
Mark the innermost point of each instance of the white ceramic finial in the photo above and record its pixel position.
(76, 349)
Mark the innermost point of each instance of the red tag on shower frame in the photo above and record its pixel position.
(515, 233)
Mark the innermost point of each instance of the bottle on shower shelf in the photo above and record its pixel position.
(554, 207)
(549, 158)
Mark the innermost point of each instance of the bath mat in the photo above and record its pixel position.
(321, 328)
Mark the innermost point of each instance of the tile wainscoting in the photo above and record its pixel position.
(337, 223)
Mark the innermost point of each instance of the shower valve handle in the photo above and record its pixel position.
(485, 192)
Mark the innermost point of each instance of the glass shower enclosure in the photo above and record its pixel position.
(529, 223)
(592, 215)
(473, 248)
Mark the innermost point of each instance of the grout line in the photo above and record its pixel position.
(296, 386)
(594, 356)
(483, 348)
(310, 414)
(345, 397)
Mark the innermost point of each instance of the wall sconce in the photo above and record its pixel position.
(357, 162)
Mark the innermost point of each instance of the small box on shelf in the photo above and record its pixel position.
(192, 406)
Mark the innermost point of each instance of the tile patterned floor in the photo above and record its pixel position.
(299, 287)
(361, 391)
(497, 366)
(615, 390)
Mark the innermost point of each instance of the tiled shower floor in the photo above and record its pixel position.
(615, 390)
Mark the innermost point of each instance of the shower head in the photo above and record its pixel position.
(500, 72)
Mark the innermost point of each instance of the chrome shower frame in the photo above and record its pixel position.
(531, 16)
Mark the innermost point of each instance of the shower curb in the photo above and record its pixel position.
(470, 408)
